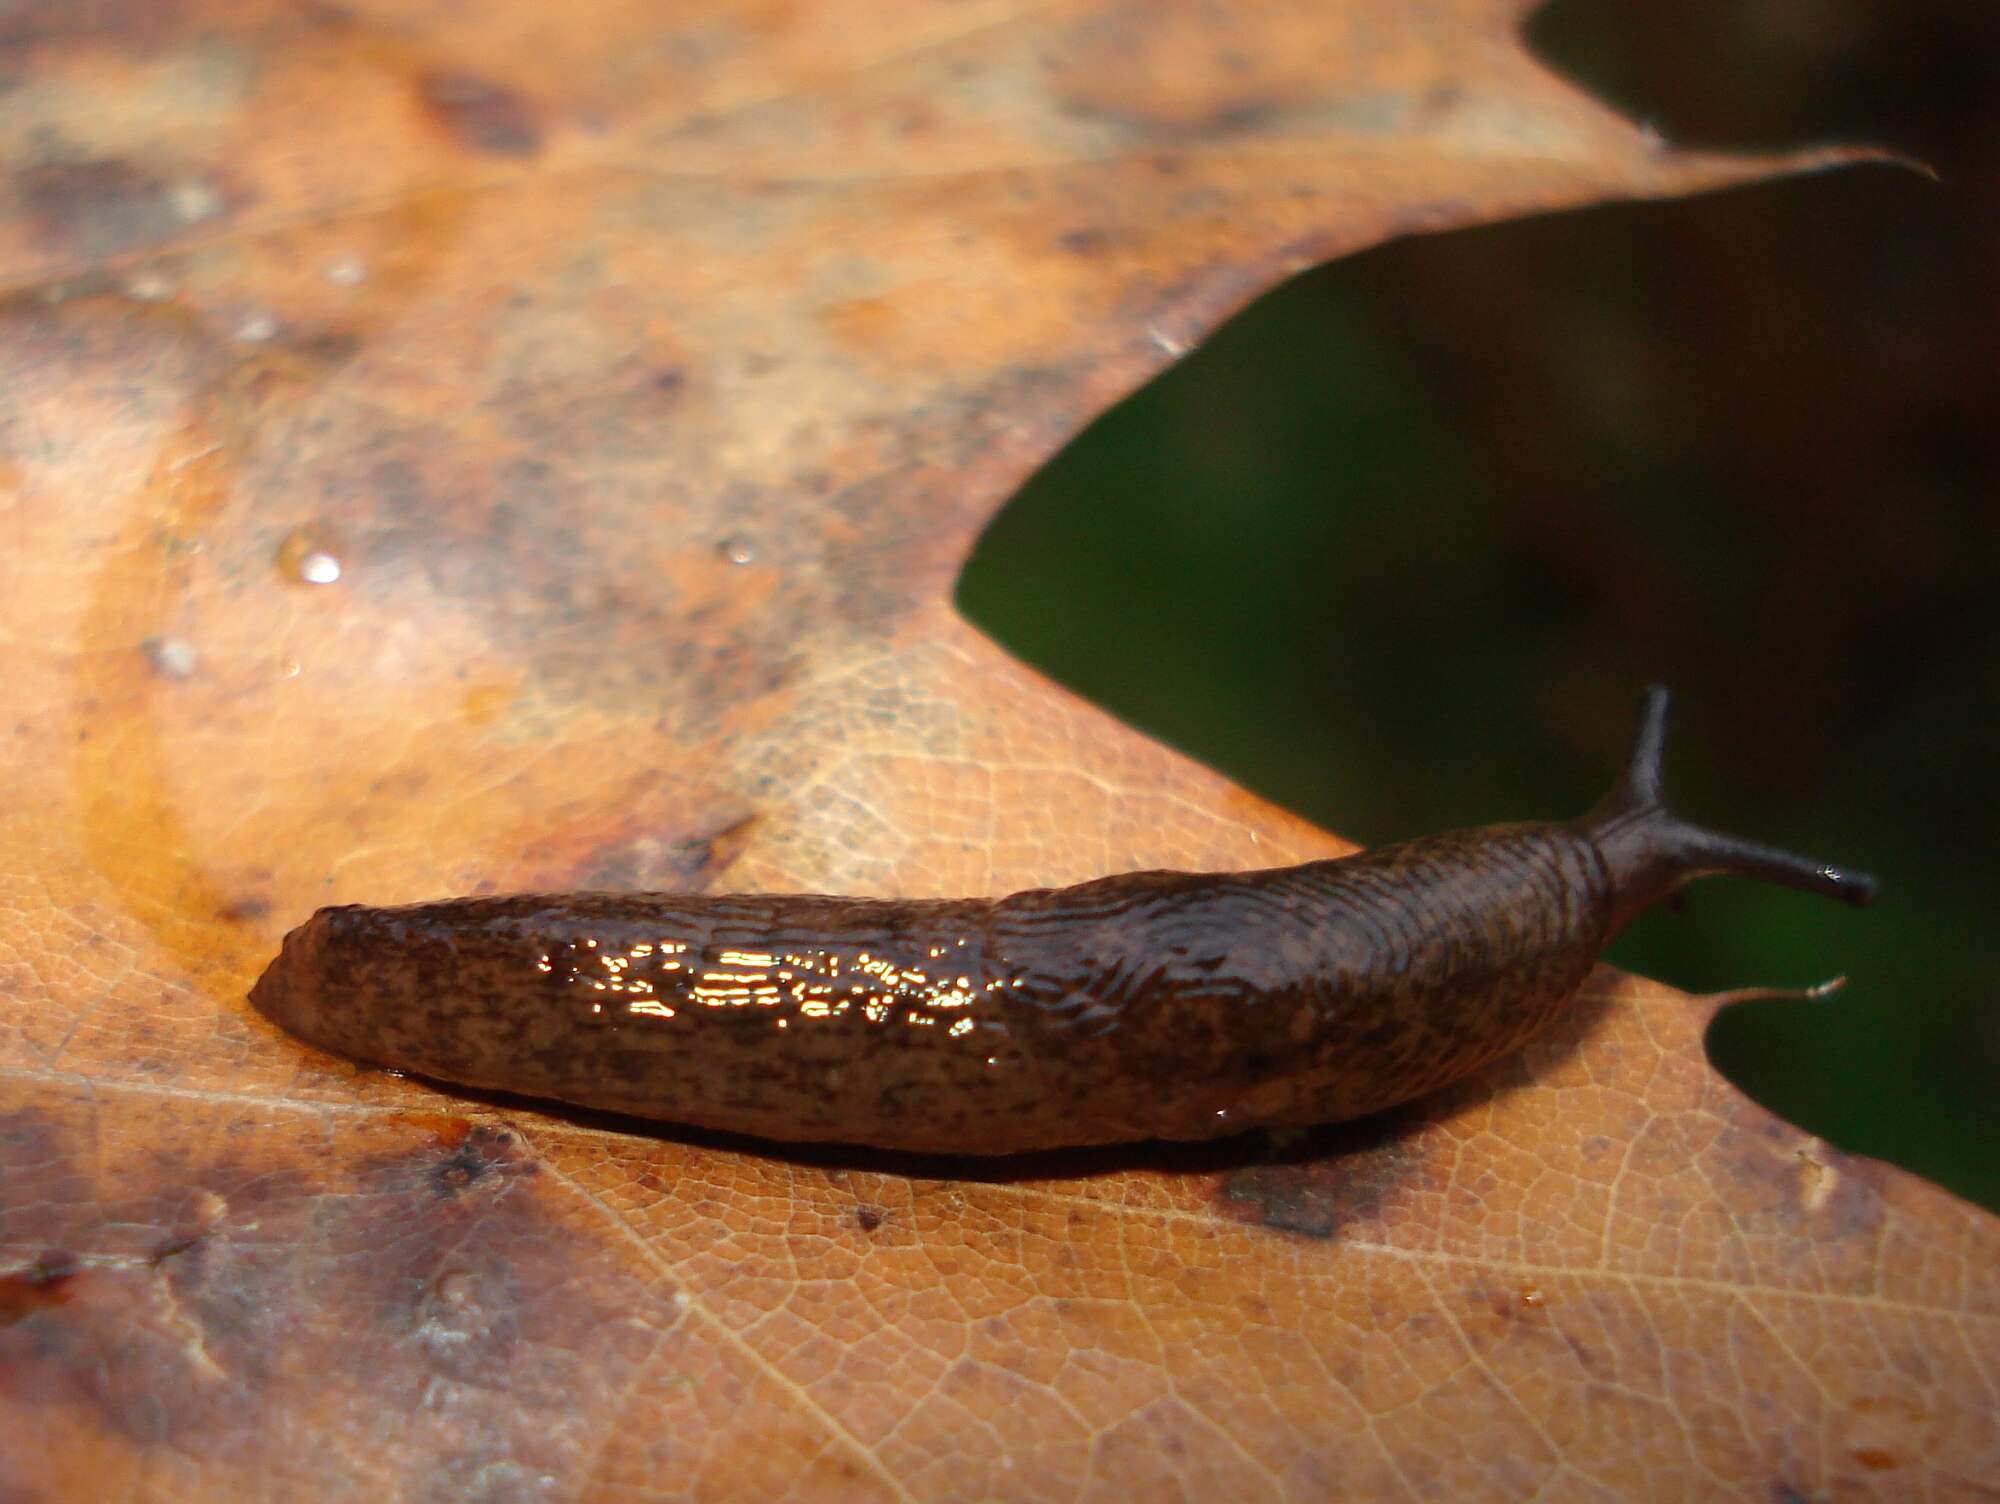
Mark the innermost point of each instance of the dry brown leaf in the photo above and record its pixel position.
(644, 371)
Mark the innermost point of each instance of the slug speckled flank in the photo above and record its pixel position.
(1175, 1005)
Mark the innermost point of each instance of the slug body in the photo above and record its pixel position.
(1168, 1005)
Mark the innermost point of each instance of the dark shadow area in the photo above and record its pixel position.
(1399, 546)
(1221, 1156)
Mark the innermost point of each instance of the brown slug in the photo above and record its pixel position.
(1174, 1005)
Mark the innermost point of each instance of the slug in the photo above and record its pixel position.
(1171, 1005)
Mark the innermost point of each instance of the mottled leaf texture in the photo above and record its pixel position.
(457, 447)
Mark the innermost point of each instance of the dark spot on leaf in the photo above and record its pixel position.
(327, 347)
(246, 910)
(690, 859)
(485, 115)
(329, 14)
(485, 1152)
(868, 1218)
(1324, 1179)
(1084, 242)
(99, 208)
(1285, 1201)
(42, 1284)
(1238, 118)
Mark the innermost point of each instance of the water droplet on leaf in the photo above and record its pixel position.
(307, 557)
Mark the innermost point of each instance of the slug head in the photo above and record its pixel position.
(1650, 852)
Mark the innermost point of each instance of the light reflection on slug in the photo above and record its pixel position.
(807, 984)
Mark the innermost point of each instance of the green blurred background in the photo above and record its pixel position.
(1398, 546)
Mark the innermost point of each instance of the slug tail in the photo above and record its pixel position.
(1651, 852)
